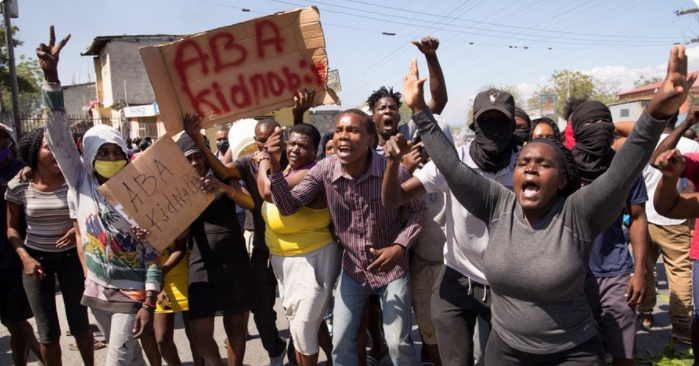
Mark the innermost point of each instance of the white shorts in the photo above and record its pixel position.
(305, 285)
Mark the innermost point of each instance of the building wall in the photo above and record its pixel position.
(77, 98)
(633, 110)
(124, 76)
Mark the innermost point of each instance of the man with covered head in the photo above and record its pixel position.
(123, 270)
(461, 293)
(613, 286)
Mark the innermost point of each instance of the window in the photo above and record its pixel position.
(624, 112)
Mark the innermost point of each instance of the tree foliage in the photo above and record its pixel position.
(29, 78)
(642, 81)
(575, 84)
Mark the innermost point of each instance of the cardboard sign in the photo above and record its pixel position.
(243, 70)
(160, 191)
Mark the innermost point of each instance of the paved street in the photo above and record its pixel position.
(650, 344)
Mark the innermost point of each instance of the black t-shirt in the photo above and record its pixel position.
(9, 260)
(248, 171)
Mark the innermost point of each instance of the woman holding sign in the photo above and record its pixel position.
(123, 271)
(220, 275)
(37, 202)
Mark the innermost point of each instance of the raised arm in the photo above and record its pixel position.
(602, 199)
(58, 134)
(193, 129)
(303, 100)
(667, 200)
(438, 87)
(670, 142)
(476, 193)
(393, 192)
(289, 201)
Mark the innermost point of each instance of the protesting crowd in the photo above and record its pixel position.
(549, 237)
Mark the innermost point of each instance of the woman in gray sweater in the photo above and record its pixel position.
(541, 234)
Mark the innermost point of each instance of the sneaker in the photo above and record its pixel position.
(278, 360)
(646, 320)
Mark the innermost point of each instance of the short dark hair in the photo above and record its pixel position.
(307, 130)
(571, 104)
(267, 122)
(368, 122)
(29, 147)
(548, 121)
(383, 92)
(223, 128)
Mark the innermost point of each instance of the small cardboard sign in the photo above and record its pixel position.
(160, 191)
(243, 70)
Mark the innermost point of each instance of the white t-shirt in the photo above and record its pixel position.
(652, 177)
(467, 236)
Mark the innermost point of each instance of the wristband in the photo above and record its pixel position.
(147, 306)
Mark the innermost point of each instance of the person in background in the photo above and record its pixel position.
(350, 180)
(123, 277)
(222, 144)
(172, 299)
(523, 126)
(614, 286)
(302, 247)
(14, 306)
(246, 168)
(462, 293)
(545, 128)
(327, 148)
(37, 204)
(568, 110)
(670, 238)
(220, 275)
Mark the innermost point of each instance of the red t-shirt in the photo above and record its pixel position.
(691, 172)
(568, 135)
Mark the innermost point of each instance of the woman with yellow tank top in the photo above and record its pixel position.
(304, 255)
(172, 299)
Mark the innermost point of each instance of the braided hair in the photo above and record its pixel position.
(568, 164)
(382, 93)
(29, 146)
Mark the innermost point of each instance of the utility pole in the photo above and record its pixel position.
(686, 11)
(7, 7)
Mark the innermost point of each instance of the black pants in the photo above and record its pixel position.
(42, 294)
(263, 309)
(499, 353)
(454, 314)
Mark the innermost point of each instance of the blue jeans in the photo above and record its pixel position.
(350, 299)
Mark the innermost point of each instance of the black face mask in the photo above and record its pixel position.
(521, 136)
(222, 146)
(593, 149)
(492, 148)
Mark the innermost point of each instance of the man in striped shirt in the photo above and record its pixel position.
(375, 239)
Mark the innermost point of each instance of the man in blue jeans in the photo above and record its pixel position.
(375, 238)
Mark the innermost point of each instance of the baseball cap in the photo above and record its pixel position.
(7, 129)
(493, 99)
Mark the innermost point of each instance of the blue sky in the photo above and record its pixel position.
(514, 42)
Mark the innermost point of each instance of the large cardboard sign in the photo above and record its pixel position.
(160, 191)
(243, 70)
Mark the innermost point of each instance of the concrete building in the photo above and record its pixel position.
(631, 102)
(78, 99)
(126, 98)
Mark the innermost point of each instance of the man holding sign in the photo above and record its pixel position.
(123, 276)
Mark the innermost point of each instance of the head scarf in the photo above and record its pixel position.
(593, 132)
(94, 138)
(522, 135)
(492, 148)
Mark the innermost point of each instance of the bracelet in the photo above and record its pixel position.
(147, 306)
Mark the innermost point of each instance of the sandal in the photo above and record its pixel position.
(96, 346)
